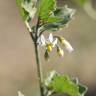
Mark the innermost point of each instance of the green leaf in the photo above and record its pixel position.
(61, 17)
(23, 13)
(82, 89)
(63, 84)
(53, 19)
(46, 8)
(27, 9)
(56, 83)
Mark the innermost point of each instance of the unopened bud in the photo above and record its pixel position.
(60, 51)
(61, 39)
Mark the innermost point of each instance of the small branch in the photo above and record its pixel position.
(29, 29)
(32, 36)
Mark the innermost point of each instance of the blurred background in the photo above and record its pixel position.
(17, 58)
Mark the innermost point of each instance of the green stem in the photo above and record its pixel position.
(39, 70)
(39, 67)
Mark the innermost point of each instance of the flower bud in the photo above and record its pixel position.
(67, 45)
(61, 39)
(60, 51)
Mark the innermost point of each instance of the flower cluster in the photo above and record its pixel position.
(52, 42)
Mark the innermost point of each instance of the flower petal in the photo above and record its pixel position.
(50, 39)
(54, 42)
(68, 46)
(41, 40)
(20, 94)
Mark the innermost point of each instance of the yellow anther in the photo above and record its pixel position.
(49, 47)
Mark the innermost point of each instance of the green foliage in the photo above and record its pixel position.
(23, 13)
(64, 84)
(82, 89)
(46, 8)
(50, 17)
(27, 9)
(61, 17)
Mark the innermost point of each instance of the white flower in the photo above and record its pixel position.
(48, 43)
(51, 40)
(41, 40)
(20, 94)
(68, 46)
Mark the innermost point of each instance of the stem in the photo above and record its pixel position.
(39, 70)
(39, 67)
